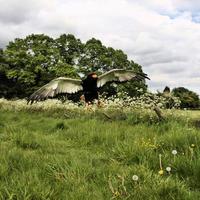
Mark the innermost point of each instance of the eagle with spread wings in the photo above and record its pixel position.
(90, 85)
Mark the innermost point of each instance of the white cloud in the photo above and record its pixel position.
(162, 36)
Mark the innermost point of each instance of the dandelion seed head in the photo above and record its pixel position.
(168, 169)
(135, 178)
(174, 152)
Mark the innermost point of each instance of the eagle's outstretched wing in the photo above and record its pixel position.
(119, 75)
(56, 86)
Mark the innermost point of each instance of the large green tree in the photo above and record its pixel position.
(35, 60)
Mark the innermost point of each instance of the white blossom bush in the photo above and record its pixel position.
(119, 101)
(145, 101)
(21, 104)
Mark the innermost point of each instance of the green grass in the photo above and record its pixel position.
(75, 154)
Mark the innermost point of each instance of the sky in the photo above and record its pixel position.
(161, 35)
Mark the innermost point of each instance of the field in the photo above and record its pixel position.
(65, 152)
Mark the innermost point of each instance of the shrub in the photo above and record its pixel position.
(189, 99)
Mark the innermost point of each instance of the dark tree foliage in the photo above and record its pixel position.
(189, 99)
(5, 83)
(27, 64)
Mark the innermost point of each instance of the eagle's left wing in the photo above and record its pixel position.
(56, 86)
(119, 75)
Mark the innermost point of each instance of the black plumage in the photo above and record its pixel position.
(90, 89)
(89, 85)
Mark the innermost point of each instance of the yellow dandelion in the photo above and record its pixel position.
(161, 172)
(192, 145)
(117, 193)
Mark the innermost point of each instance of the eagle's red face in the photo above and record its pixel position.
(93, 75)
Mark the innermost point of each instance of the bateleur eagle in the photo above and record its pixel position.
(89, 85)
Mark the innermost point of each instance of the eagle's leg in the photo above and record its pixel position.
(88, 105)
(82, 99)
(89, 98)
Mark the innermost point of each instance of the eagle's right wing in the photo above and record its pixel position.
(56, 86)
(120, 75)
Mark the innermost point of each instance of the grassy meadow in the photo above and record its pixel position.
(66, 152)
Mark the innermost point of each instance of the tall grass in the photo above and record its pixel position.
(65, 152)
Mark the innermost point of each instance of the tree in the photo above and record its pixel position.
(97, 57)
(33, 62)
(69, 48)
(189, 99)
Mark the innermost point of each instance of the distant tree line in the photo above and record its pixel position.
(27, 64)
(188, 99)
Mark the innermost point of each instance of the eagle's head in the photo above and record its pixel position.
(92, 75)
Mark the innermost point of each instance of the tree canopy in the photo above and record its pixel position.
(27, 64)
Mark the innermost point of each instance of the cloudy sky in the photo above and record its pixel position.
(161, 35)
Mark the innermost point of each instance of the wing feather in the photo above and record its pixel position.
(56, 86)
(119, 75)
